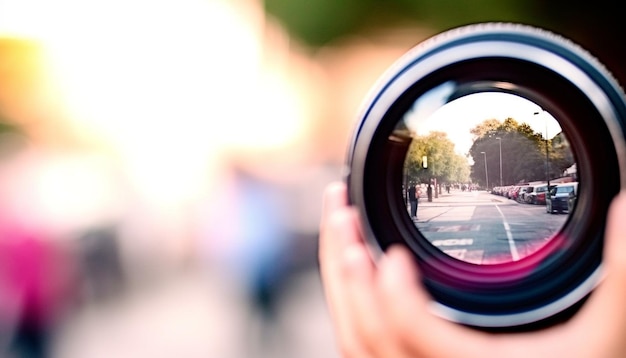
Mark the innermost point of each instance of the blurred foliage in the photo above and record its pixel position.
(597, 26)
(7, 127)
(319, 22)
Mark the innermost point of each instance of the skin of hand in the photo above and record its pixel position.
(379, 309)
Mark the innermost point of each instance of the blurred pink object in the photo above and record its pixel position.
(36, 278)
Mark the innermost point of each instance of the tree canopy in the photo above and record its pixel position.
(442, 162)
(525, 154)
(321, 21)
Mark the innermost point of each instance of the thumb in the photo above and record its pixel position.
(606, 305)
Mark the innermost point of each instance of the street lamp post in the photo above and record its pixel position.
(500, 142)
(486, 172)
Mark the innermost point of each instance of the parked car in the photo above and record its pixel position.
(515, 191)
(537, 194)
(560, 197)
(571, 201)
(521, 194)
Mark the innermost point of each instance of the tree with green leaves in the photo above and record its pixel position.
(526, 155)
(442, 162)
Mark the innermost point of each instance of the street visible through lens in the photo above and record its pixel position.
(489, 177)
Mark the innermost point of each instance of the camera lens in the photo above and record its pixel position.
(512, 139)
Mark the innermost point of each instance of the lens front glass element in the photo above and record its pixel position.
(478, 171)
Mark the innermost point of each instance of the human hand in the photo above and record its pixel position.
(379, 309)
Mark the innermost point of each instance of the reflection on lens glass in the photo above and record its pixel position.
(489, 177)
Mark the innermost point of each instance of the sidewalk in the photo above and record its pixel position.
(464, 198)
(458, 205)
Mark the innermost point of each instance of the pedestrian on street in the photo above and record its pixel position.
(414, 192)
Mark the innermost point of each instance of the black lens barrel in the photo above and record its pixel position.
(547, 69)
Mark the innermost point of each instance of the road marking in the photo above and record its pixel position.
(471, 256)
(456, 228)
(457, 254)
(507, 228)
(453, 242)
(451, 228)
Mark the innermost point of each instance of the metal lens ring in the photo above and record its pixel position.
(550, 282)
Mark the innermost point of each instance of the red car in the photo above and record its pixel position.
(514, 193)
(538, 195)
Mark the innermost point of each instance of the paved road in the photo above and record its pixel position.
(482, 228)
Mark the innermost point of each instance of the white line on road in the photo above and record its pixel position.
(507, 228)
(453, 242)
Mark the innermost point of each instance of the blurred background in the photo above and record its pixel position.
(162, 162)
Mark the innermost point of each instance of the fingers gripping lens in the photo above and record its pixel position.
(492, 152)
